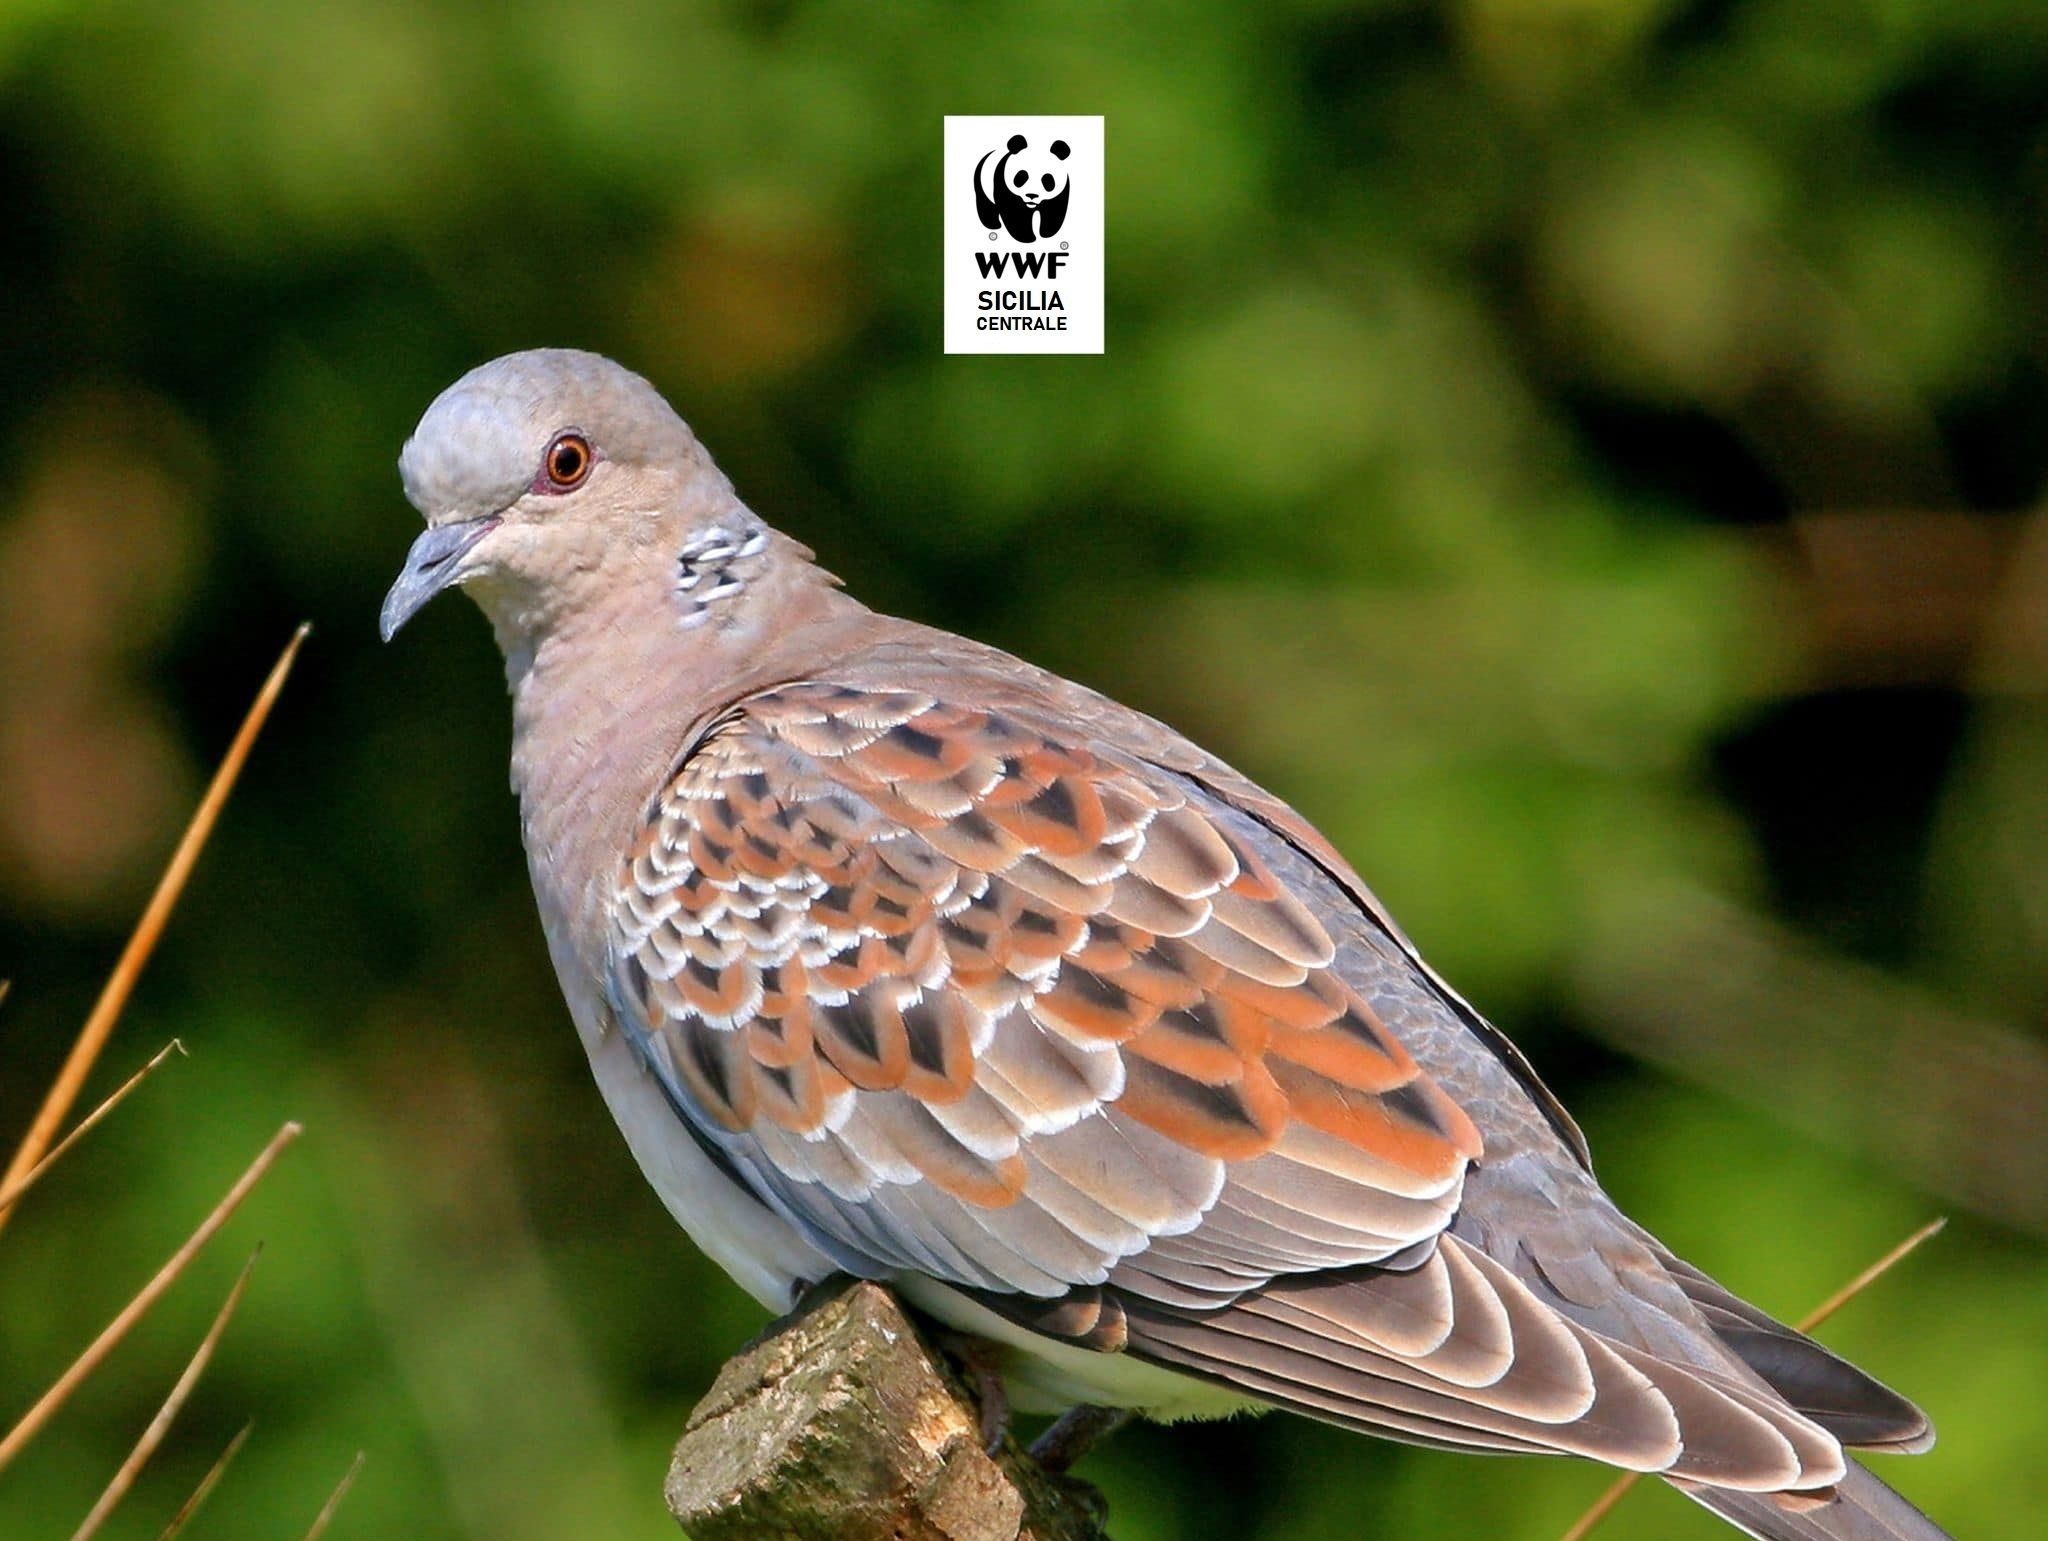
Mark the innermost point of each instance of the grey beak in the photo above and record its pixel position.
(429, 568)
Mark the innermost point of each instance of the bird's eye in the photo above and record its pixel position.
(566, 464)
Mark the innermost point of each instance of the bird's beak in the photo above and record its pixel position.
(430, 567)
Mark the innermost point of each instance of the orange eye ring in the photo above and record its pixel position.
(567, 462)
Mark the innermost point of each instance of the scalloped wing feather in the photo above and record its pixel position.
(885, 950)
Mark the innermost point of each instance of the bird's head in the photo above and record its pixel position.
(545, 476)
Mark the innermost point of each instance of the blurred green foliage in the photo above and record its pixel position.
(1581, 451)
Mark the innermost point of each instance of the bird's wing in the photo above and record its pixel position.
(961, 994)
(961, 998)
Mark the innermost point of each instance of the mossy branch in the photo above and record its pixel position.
(842, 1423)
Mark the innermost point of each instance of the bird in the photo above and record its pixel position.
(895, 956)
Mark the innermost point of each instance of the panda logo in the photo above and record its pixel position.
(1025, 192)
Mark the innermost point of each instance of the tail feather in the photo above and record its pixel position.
(1858, 1508)
(1858, 1409)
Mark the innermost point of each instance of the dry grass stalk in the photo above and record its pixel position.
(207, 1483)
(1872, 1274)
(1602, 1506)
(33, 1420)
(120, 984)
(153, 1435)
(14, 1190)
(326, 1515)
(1616, 1491)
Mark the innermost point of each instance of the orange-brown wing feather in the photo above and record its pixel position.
(958, 996)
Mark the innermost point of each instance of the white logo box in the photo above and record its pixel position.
(1024, 234)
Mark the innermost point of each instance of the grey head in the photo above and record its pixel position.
(544, 475)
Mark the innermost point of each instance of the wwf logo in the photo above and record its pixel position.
(1024, 191)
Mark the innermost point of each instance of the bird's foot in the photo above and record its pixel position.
(1074, 1433)
(977, 1360)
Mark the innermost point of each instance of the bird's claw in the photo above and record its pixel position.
(1074, 1433)
(977, 1359)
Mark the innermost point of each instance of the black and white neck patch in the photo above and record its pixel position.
(716, 563)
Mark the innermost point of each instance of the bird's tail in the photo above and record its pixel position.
(1858, 1508)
